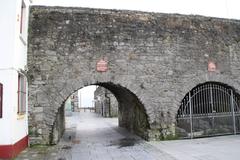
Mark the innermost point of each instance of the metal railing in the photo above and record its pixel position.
(209, 109)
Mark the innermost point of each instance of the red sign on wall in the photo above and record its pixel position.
(211, 66)
(102, 66)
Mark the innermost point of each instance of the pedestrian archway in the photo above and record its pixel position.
(209, 109)
(132, 114)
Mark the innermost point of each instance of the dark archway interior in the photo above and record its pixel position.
(131, 115)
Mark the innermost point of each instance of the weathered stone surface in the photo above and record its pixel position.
(106, 104)
(153, 61)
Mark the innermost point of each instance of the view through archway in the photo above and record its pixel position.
(106, 116)
(108, 100)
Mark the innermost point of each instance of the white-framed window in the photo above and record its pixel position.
(23, 23)
(21, 94)
(1, 99)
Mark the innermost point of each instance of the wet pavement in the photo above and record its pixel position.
(90, 137)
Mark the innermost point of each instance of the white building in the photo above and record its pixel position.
(13, 83)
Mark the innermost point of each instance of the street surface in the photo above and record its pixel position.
(91, 137)
(100, 138)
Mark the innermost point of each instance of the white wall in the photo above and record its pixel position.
(20, 52)
(7, 28)
(13, 54)
(6, 122)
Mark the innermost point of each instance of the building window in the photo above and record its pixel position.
(21, 94)
(23, 18)
(1, 99)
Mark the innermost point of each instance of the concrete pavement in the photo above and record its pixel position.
(214, 148)
(99, 138)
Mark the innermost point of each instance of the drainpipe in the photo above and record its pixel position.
(102, 108)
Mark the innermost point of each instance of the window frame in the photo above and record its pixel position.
(22, 94)
(22, 17)
(1, 100)
(23, 23)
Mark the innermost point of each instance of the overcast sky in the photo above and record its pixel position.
(86, 96)
(214, 8)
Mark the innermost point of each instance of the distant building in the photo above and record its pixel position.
(13, 80)
(74, 101)
(68, 107)
(105, 103)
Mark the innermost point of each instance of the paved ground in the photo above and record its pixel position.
(215, 148)
(90, 137)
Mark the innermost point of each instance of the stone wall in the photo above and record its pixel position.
(113, 105)
(153, 60)
(105, 103)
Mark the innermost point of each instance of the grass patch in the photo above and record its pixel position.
(169, 137)
(40, 148)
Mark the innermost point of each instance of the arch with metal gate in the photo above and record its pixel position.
(209, 109)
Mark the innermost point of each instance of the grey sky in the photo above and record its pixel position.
(87, 96)
(214, 8)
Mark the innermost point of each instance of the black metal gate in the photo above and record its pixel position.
(209, 109)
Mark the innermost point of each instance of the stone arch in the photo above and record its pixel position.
(132, 113)
(189, 83)
(208, 109)
(192, 82)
